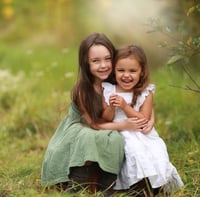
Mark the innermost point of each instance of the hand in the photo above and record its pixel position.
(117, 101)
(135, 124)
(148, 127)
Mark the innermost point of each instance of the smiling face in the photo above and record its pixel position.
(127, 73)
(100, 62)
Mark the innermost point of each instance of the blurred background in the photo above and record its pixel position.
(64, 23)
(39, 43)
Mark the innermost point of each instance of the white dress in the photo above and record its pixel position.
(145, 154)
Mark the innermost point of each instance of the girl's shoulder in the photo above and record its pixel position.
(150, 88)
(108, 90)
(107, 85)
(141, 98)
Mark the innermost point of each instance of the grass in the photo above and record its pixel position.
(35, 88)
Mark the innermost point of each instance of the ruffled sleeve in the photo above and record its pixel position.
(144, 94)
(108, 90)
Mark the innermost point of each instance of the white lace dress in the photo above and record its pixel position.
(145, 155)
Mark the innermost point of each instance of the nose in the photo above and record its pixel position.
(103, 64)
(126, 74)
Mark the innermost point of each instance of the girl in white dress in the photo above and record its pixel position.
(146, 154)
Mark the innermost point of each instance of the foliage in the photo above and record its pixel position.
(182, 43)
(44, 21)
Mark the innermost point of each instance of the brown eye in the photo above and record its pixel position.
(133, 71)
(120, 70)
(108, 59)
(95, 61)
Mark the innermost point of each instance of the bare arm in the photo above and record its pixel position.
(149, 125)
(108, 112)
(145, 110)
(131, 124)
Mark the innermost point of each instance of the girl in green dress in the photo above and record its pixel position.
(85, 149)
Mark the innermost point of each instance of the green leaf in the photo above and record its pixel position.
(174, 59)
(190, 10)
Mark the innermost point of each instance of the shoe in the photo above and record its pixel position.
(141, 189)
(106, 183)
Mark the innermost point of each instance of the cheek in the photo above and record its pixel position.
(110, 65)
(110, 68)
(93, 71)
(117, 76)
(93, 68)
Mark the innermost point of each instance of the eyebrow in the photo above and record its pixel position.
(107, 56)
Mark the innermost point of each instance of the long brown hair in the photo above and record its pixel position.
(137, 53)
(83, 91)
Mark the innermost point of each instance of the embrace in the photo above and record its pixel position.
(107, 142)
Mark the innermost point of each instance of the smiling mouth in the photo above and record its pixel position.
(104, 71)
(127, 81)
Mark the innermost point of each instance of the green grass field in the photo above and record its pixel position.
(35, 88)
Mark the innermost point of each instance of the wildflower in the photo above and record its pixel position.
(69, 74)
(7, 12)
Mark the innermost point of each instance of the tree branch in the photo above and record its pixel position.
(191, 78)
(187, 88)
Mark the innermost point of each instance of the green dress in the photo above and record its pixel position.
(73, 144)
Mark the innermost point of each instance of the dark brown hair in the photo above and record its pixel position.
(83, 91)
(137, 53)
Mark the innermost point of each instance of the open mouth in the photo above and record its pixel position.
(127, 81)
(104, 72)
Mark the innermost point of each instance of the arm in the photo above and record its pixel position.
(131, 124)
(145, 110)
(149, 125)
(108, 111)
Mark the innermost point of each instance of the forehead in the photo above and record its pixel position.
(128, 62)
(98, 51)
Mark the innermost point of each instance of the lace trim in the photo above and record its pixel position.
(144, 94)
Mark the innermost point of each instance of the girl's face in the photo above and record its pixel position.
(100, 62)
(127, 73)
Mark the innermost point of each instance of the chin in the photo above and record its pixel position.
(104, 77)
